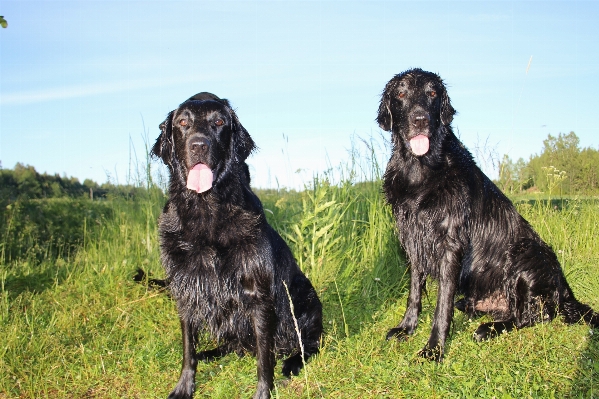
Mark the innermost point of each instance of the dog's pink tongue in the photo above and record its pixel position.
(419, 144)
(200, 178)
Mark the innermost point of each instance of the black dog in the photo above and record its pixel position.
(458, 227)
(228, 270)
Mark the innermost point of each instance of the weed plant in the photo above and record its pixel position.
(74, 324)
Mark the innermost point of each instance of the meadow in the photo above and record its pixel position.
(74, 324)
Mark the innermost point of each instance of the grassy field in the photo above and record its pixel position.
(73, 324)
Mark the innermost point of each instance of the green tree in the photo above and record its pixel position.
(512, 175)
(562, 153)
(26, 178)
(588, 170)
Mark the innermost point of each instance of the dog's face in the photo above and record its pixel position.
(203, 130)
(202, 133)
(414, 105)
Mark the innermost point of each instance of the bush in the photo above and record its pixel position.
(42, 228)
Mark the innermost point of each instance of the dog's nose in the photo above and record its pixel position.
(199, 145)
(420, 122)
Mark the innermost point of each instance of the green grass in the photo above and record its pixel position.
(74, 325)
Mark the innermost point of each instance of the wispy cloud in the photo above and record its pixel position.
(91, 89)
(60, 93)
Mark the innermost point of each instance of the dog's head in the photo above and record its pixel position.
(203, 131)
(414, 105)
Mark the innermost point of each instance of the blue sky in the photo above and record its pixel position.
(82, 82)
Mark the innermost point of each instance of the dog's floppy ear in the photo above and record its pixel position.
(164, 146)
(384, 118)
(447, 111)
(241, 141)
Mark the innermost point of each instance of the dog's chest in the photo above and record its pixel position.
(206, 260)
(428, 225)
(206, 225)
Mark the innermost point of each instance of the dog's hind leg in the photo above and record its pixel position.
(575, 311)
(310, 335)
(518, 308)
(141, 277)
(493, 329)
(310, 340)
(293, 365)
(186, 385)
(537, 290)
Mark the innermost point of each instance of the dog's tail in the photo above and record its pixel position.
(142, 277)
(575, 311)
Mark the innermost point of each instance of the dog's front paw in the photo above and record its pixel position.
(432, 353)
(185, 387)
(401, 334)
(177, 394)
(262, 392)
(261, 395)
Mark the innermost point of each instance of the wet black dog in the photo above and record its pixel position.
(456, 226)
(226, 267)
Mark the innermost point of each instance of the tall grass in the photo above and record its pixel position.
(74, 324)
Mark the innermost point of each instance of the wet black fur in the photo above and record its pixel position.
(225, 265)
(456, 226)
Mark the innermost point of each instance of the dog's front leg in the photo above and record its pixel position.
(263, 319)
(186, 385)
(444, 310)
(413, 309)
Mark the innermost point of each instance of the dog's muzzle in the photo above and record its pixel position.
(199, 146)
(419, 121)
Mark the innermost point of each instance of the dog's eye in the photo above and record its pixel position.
(219, 122)
(433, 93)
(183, 122)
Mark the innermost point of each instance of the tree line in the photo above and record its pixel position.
(25, 183)
(562, 168)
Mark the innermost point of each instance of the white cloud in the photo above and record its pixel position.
(92, 89)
